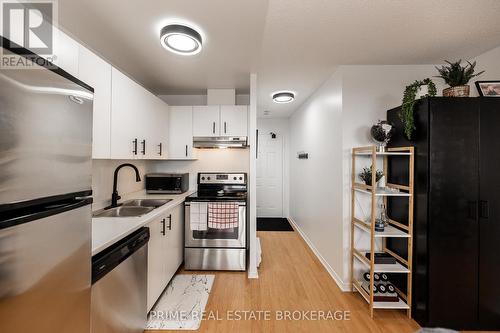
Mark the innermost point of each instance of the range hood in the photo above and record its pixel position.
(220, 142)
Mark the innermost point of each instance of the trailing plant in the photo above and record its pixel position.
(406, 113)
(454, 74)
(366, 175)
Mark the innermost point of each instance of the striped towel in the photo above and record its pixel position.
(223, 215)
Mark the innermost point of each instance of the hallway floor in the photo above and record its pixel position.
(292, 278)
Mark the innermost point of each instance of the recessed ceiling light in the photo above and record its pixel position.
(283, 97)
(181, 39)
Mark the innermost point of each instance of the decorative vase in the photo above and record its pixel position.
(458, 91)
(422, 91)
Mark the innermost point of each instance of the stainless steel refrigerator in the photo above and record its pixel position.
(45, 203)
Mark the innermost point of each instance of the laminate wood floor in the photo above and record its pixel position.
(291, 278)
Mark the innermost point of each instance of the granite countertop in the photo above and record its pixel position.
(108, 230)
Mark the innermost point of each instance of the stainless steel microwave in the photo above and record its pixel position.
(167, 183)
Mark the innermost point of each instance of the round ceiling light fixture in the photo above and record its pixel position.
(181, 39)
(283, 97)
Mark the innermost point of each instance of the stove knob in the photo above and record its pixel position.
(234, 178)
(202, 178)
(241, 178)
(208, 178)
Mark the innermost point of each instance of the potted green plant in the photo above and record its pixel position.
(366, 175)
(457, 77)
(409, 99)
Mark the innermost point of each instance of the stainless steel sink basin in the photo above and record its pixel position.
(125, 211)
(155, 203)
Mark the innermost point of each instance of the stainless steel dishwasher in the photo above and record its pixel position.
(119, 286)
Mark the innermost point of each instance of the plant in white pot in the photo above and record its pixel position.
(414, 91)
(457, 77)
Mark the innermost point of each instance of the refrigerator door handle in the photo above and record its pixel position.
(34, 213)
(484, 209)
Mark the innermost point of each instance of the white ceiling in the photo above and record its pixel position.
(291, 44)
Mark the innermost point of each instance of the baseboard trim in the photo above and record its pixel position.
(342, 285)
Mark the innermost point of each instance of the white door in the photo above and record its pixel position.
(97, 73)
(180, 143)
(270, 176)
(206, 120)
(234, 120)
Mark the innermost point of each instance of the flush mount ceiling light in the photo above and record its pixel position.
(181, 39)
(283, 97)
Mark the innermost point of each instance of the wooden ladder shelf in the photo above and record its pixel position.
(394, 228)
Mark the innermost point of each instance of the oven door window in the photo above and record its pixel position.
(230, 233)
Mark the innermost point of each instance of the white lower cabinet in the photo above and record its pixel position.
(165, 251)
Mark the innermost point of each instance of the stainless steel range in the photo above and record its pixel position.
(215, 228)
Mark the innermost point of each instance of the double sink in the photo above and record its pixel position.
(133, 208)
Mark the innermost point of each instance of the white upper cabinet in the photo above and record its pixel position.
(161, 141)
(156, 126)
(206, 120)
(234, 120)
(97, 73)
(66, 51)
(139, 120)
(224, 120)
(180, 143)
(127, 99)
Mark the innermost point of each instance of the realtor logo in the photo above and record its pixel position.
(29, 25)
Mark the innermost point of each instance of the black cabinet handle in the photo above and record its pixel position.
(225, 131)
(484, 210)
(213, 130)
(135, 147)
(160, 146)
(472, 209)
(186, 150)
(163, 227)
(169, 222)
(143, 142)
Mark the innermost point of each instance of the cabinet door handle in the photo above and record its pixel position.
(169, 222)
(225, 126)
(135, 147)
(160, 146)
(213, 127)
(143, 142)
(163, 227)
(186, 150)
(484, 210)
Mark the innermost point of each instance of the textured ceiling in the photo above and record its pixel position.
(291, 44)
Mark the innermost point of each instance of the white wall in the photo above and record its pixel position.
(316, 183)
(209, 160)
(367, 93)
(334, 119)
(280, 126)
(102, 180)
(488, 61)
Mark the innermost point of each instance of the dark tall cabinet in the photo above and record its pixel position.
(456, 250)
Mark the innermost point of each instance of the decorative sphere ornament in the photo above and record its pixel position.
(381, 133)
